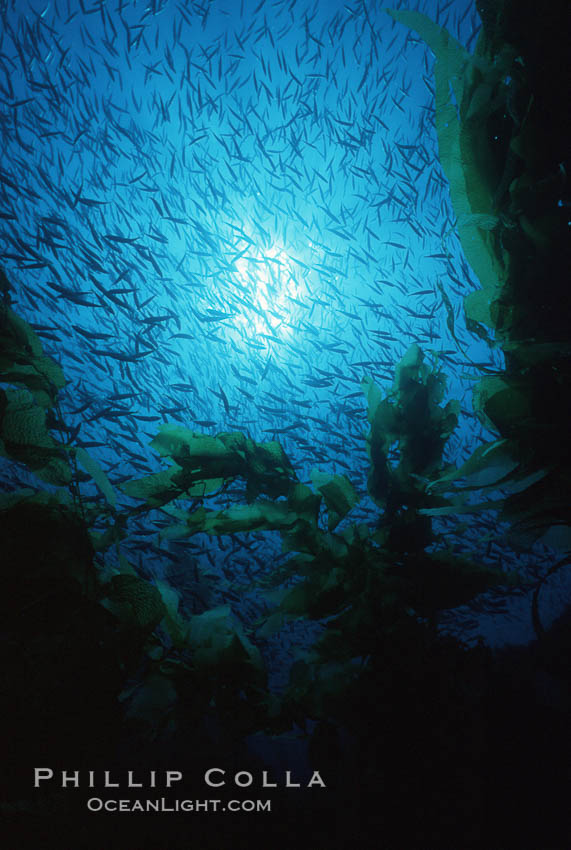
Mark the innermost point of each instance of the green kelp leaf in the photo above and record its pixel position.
(449, 419)
(174, 622)
(296, 518)
(158, 488)
(217, 637)
(92, 467)
(192, 448)
(305, 503)
(205, 628)
(509, 408)
(339, 495)
(485, 389)
(487, 466)
(477, 307)
(28, 376)
(170, 597)
(176, 532)
(108, 570)
(269, 469)
(23, 362)
(174, 512)
(204, 459)
(272, 624)
(17, 337)
(125, 566)
(543, 504)
(112, 535)
(382, 434)
(26, 439)
(501, 404)
(259, 516)
(297, 601)
(411, 423)
(57, 498)
(265, 466)
(410, 369)
(521, 480)
(481, 220)
(385, 428)
(463, 86)
(373, 395)
(303, 535)
(356, 533)
(329, 579)
(234, 441)
(463, 507)
(424, 425)
(204, 488)
(134, 601)
(447, 49)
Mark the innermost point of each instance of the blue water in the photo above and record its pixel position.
(245, 201)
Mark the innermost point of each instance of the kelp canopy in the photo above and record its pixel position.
(128, 648)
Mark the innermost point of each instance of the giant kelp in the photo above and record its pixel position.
(512, 225)
(467, 89)
(366, 582)
(377, 590)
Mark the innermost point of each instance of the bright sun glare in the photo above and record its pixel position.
(271, 287)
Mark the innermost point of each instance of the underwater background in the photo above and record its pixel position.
(284, 416)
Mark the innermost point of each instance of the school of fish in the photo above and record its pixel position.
(225, 214)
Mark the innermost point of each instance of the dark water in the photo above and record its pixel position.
(225, 215)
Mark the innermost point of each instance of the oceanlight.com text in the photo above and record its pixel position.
(162, 805)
